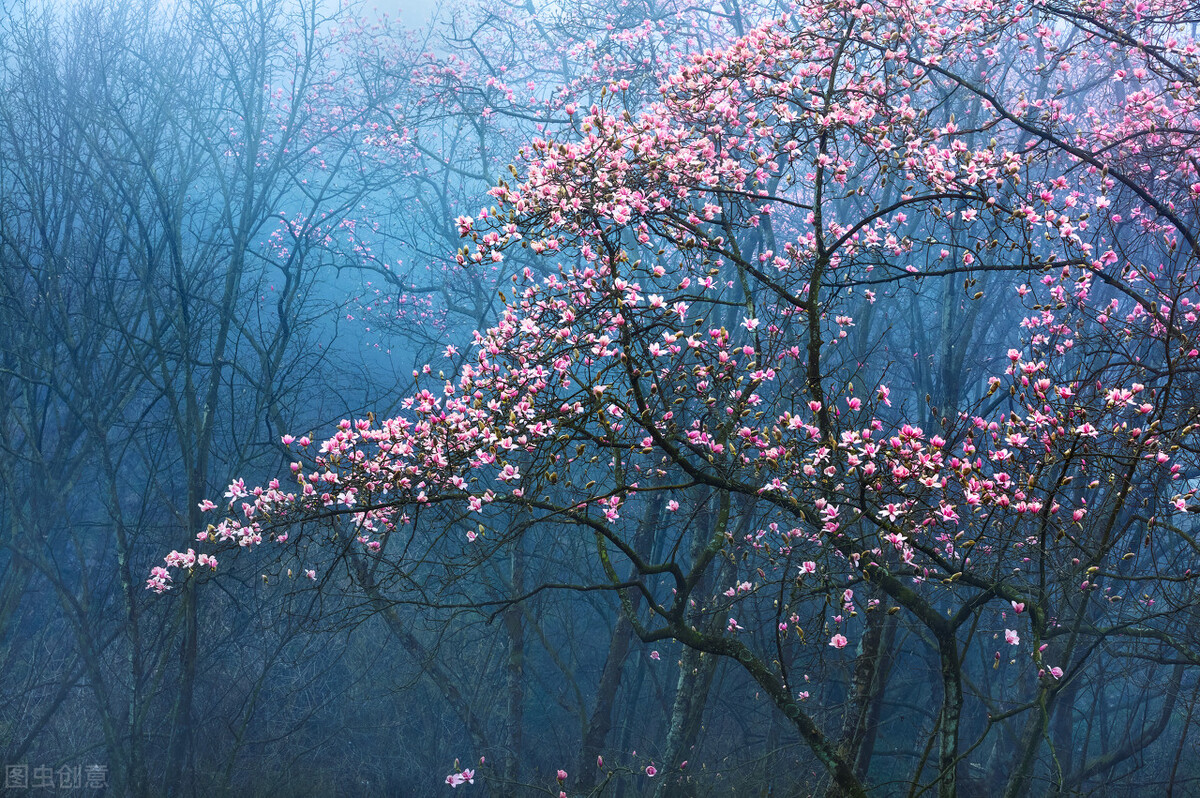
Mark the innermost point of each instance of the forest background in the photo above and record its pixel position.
(738, 399)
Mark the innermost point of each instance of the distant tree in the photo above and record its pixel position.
(179, 185)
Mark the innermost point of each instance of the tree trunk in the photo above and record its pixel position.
(600, 722)
(696, 671)
(860, 723)
(515, 627)
(181, 717)
(952, 703)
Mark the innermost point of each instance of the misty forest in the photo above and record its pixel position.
(600, 398)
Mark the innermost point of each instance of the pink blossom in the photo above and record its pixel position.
(463, 777)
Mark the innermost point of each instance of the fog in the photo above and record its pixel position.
(598, 398)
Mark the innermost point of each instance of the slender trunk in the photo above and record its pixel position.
(444, 680)
(515, 627)
(600, 722)
(952, 702)
(181, 718)
(870, 730)
(696, 671)
(822, 747)
(1183, 736)
(137, 782)
(1030, 741)
(629, 721)
(1063, 729)
(864, 706)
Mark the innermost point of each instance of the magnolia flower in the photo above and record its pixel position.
(465, 777)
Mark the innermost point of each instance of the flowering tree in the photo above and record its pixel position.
(698, 390)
